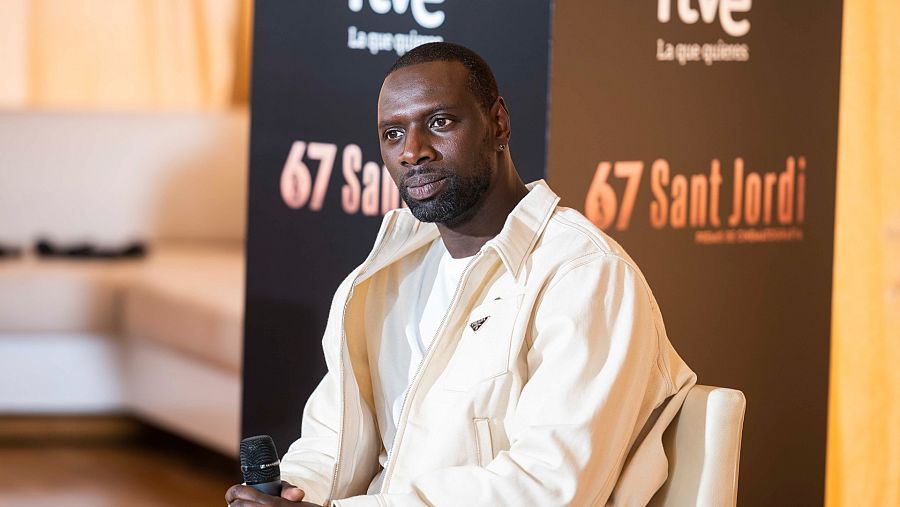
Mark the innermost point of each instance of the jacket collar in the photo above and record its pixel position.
(524, 226)
(401, 233)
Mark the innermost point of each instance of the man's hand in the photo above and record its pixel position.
(245, 496)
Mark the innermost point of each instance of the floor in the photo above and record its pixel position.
(106, 462)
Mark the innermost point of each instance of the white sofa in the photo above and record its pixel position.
(158, 337)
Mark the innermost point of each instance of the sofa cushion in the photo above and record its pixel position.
(190, 299)
(39, 295)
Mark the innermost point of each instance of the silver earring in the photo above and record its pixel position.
(501, 148)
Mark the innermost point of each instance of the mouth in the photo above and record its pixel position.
(425, 186)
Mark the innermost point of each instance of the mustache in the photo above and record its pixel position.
(424, 174)
(425, 170)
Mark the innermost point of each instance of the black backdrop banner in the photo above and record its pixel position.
(702, 136)
(317, 189)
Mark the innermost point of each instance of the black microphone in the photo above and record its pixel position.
(260, 464)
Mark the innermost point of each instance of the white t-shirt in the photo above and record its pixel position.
(438, 280)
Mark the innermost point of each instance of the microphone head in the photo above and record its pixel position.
(259, 460)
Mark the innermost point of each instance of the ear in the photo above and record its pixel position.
(499, 119)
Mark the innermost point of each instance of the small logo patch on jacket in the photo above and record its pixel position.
(476, 325)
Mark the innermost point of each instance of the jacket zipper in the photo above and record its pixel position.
(389, 465)
(337, 461)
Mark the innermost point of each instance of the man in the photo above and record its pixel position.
(494, 348)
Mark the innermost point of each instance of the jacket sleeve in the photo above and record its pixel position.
(593, 362)
(309, 462)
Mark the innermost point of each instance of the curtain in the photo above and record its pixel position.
(124, 54)
(864, 414)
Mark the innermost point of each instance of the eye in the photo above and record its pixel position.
(393, 134)
(440, 122)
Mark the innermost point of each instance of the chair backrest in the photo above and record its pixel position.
(703, 445)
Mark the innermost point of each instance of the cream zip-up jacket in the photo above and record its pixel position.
(550, 380)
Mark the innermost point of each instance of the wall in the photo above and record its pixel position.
(864, 420)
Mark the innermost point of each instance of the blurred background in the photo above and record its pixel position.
(123, 167)
(123, 161)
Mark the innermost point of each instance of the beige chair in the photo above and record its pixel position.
(703, 445)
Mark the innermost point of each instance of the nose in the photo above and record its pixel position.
(417, 149)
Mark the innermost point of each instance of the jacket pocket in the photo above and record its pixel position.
(484, 346)
(484, 447)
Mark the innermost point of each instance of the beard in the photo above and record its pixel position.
(458, 201)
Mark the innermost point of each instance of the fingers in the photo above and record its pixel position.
(240, 496)
(291, 492)
(245, 496)
(231, 494)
